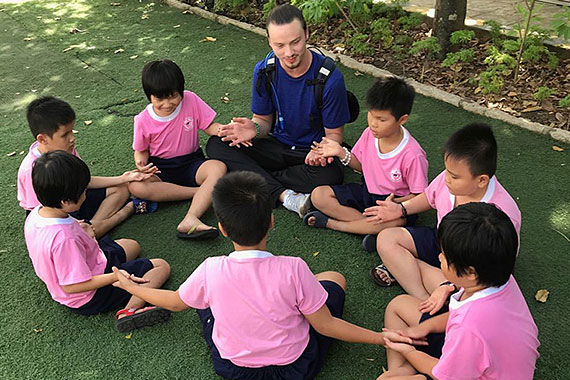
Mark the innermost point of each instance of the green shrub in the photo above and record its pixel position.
(543, 93)
(430, 47)
(382, 31)
(410, 21)
(565, 101)
(561, 23)
(492, 79)
(359, 44)
(226, 5)
(495, 31)
(463, 55)
(461, 37)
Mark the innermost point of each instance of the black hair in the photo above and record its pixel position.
(481, 236)
(58, 176)
(393, 94)
(162, 79)
(46, 114)
(285, 14)
(242, 205)
(475, 143)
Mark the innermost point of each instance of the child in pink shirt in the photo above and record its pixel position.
(166, 137)
(393, 164)
(51, 121)
(488, 333)
(410, 254)
(77, 269)
(263, 316)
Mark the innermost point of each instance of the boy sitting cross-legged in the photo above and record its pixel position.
(410, 254)
(393, 165)
(263, 316)
(488, 332)
(77, 269)
(51, 121)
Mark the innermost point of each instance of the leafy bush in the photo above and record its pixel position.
(496, 57)
(430, 47)
(316, 11)
(382, 31)
(492, 79)
(565, 101)
(359, 44)
(224, 5)
(495, 31)
(463, 55)
(543, 93)
(561, 23)
(410, 21)
(461, 37)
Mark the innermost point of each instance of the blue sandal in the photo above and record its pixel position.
(320, 219)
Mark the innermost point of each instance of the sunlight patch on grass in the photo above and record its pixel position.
(560, 218)
(19, 104)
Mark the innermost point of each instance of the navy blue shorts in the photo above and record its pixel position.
(305, 367)
(179, 170)
(356, 196)
(435, 340)
(109, 297)
(93, 199)
(427, 246)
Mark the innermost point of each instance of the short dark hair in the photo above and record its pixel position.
(162, 79)
(46, 114)
(242, 205)
(393, 94)
(285, 14)
(58, 176)
(481, 236)
(475, 143)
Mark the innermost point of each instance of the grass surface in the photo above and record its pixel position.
(41, 339)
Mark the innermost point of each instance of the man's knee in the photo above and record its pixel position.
(215, 146)
(331, 174)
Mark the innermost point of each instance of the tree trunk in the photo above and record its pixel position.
(449, 17)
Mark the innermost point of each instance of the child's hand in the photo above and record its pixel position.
(415, 337)
(125, 279)
(328, 148)
(315, 159)
(139, 175)
(87, 228)
(239, 132)
(398, 347)
(385, 211)
(434, 303)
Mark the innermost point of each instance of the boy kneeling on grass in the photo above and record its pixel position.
(263, 316)
(488, 332)
(77, 269)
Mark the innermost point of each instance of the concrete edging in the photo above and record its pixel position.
(423, 89)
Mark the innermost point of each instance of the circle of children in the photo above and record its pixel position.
(266, 316)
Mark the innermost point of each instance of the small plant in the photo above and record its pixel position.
(317, 11)
(492, 79)
(410, 21)
(565, 101)
(461, 37)
(382, 31)
(430, 47)
(496, 31)
(543, 93)
(224, 5)
(561, 23)
(496, 57)
(267, 7)
(463, 55)
(359, 44)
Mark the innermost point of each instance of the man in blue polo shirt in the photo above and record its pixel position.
(276, 141)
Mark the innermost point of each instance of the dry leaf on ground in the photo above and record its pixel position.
(11, 154)
(557, 148)
(542, 295)
(115, 4)
(129, 336)
(38, 330)
(315, 254)
(120, 50)
(75, 131)
(532, 109)
(88, 122)
(76, 30)
(176, 26)
(208, 39)
(133, 56)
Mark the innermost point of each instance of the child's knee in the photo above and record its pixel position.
(131, 247)
(335, 277)
(320, 194)
(138, 189)
(162, 265)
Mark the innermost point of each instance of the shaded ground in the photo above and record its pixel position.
(40, 339)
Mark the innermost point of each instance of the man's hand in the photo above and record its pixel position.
(385, 211)
(315, 159)
(239, 132)
(436, 300)
(328, 148)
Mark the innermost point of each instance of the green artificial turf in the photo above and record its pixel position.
(43, 340)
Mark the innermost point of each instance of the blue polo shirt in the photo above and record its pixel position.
(296, 100)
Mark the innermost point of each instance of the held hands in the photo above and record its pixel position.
(143, 172)
(434, 303)
(124, 279)
(403, 340)
(323, 153)
(240, 131)
(385, 211)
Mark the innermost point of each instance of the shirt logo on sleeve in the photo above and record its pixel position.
(395, 175)
(188, 123)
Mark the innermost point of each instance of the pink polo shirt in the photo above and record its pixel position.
(443, 201)
(258, 301)
(176, 134)
(26, 194)
(489, 336)
(401, 171)
(63, 253)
